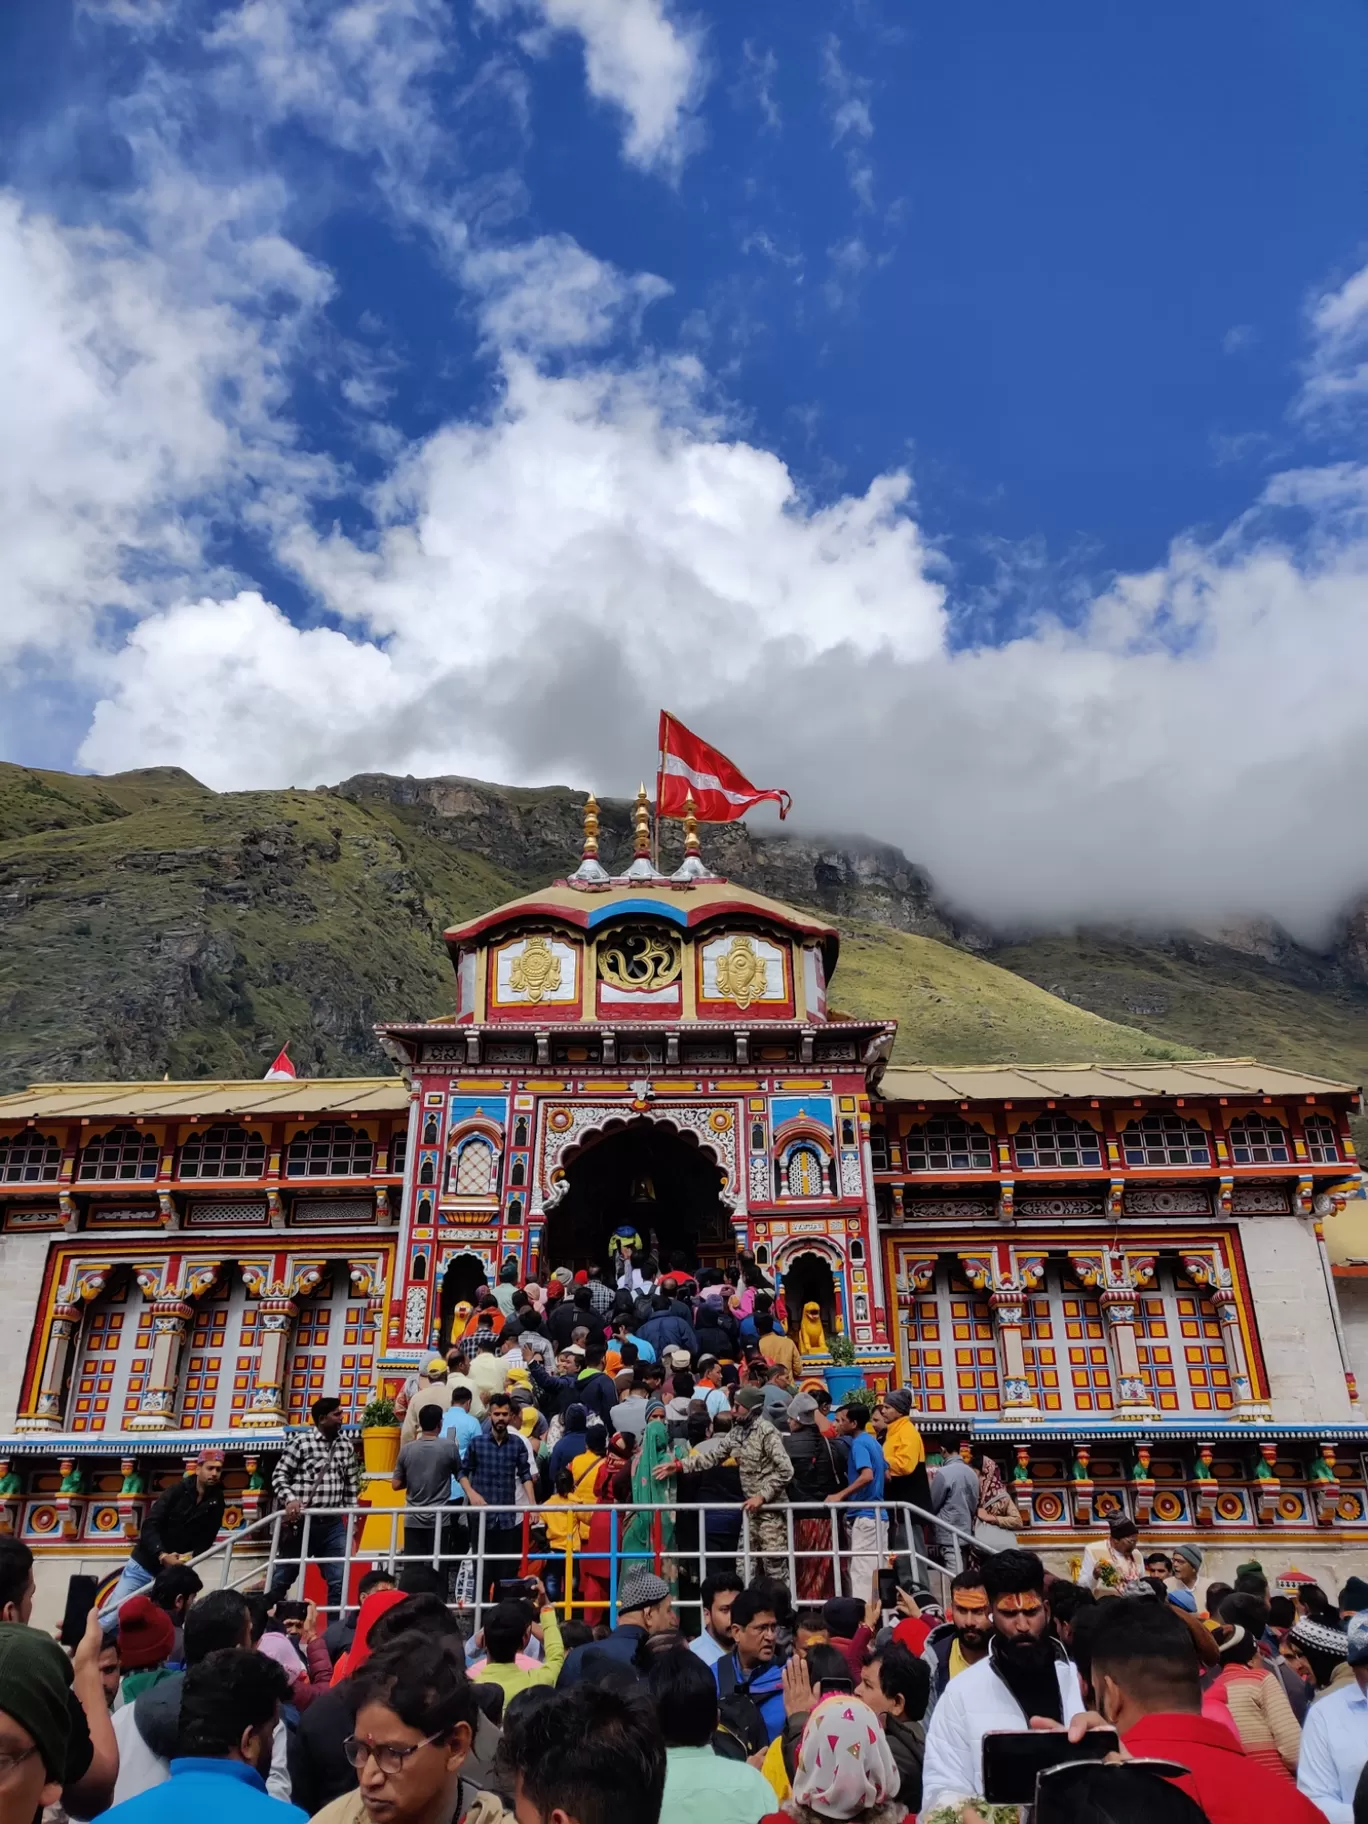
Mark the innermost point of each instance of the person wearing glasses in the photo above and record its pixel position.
(1023, 1675)
(416, 1717)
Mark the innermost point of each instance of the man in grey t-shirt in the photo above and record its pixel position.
(424, 1472)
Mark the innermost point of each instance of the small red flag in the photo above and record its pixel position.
(282, 1069)
(690, 768)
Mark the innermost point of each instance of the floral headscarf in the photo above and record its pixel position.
(845, 1765)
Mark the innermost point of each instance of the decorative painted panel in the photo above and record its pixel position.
(218, 1369)
(116, 1344)
(744, 970)
(332, 1350)
(534, 971)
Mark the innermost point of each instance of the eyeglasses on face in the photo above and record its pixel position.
(389, 1757)
(8, 1762)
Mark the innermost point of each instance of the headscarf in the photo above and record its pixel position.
(378, 1603)
(536, 1297)
(845, 1766)
(992, 1488)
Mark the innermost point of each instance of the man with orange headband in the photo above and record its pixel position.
(961, 1640)
(1024, 1674)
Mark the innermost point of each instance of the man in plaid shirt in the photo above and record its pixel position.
(498, 1468)
(317, 1469)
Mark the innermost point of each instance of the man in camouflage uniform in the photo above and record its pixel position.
(766, 1471)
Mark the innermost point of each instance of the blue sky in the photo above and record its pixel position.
(955, 414)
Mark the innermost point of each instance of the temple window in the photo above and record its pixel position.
(124, 1152)
(803, 1174)
(473, 1170)
(330, 1150)
(1259, 1140)
(223, 1152)
(398, 1149)
(1165, 1140)
(430, 1131)
(1322, 1142)
(519, 1174)
(427, 1172)
(947, 1144)
(878, 1149)
(520, 1131)
(29, 1157)
(1057, 1142)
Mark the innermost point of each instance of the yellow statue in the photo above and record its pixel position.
(811, 1336)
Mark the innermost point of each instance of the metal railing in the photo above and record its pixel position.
(474, 1554)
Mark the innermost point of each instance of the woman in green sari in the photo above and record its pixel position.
(639, 1536)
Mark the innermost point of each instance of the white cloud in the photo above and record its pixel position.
(550, 294)
(1337, 371)
(852, 122)
(637, 57)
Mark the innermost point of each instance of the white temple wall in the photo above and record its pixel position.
(1296, 1327)
(1353, 1304)
(22, 1259)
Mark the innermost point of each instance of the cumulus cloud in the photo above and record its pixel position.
(1337, 371)
(550, 294)
(640, 58)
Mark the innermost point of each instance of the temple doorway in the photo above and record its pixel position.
(462, 1279)
(650, 1177)
(808, 1280)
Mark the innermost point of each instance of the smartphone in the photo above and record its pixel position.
(513, 1586)
(1013, 1759)
(888, 1589)
(79, 1602)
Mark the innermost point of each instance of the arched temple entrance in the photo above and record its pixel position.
(648, 1176)
(460, 1282)
(808, 1279)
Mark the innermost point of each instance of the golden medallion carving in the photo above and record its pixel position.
(537, 972)
(741, 973)
(639, 960)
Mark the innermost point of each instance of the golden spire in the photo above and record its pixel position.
(690, 826)
(591, 827)
(641, 824)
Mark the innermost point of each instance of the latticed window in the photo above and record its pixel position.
(803, 1175)
(1322, 1142)
(29, 1157)
(475, 1169)
(124, 1152)
(1259, 1140)
(878, 1149)
(331, 1150)
(1058, 1142)
(1165, 1140)
(398, 1149)
(223, 1152)
(947, 1144)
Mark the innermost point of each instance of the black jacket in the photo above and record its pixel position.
(179, 1522)
(815, 1473)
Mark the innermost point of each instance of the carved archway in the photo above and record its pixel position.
(652, 1175)
(569, 1128)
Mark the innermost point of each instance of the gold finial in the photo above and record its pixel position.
(690, 826)
(641, 822)
(591, 827)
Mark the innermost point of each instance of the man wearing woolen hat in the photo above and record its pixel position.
(1334, 1743)
(1187, 1564)
(147, 1637)
(35, 1722)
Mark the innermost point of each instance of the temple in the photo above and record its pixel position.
(1137, 1285)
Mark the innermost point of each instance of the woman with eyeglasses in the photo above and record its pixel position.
(415, 1720)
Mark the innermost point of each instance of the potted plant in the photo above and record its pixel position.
(380, 1435)
(843, 1377)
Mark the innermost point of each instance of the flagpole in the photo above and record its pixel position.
(655, 823)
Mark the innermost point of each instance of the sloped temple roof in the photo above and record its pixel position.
(1081, 1082)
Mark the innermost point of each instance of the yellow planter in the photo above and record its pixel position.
(380, 1449)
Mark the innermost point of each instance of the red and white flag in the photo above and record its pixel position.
(690, 768)
(282, 1071)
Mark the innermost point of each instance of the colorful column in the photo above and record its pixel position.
(1007, 1304)
(47, 1410)
(1248, 1405)
(157, 1407)
(275, 1322)
(1133, 1397)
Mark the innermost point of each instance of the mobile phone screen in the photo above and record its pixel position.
(1013, 1758)
(888, 1589)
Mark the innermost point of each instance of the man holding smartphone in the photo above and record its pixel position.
(1024, 1674)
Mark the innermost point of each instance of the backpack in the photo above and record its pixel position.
(741, 1730)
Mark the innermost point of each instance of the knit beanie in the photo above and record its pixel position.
(146, 1634)
(35, 1678)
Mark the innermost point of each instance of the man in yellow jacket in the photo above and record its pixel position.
(507, 1628)
(906, 1480)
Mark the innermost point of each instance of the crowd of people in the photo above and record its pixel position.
(673, 1669)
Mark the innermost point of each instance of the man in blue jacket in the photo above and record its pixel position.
(229, 1708)
(752, 1666)
(644, 1607)
(666, 1330)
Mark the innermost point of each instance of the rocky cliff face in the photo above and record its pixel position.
(148, 924)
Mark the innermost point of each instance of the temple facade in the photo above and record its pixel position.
(1137, 1285)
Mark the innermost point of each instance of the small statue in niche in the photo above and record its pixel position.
(1322, 1470)
(71, 1479)
(811, 1336)
(133, 1483)
(10, 1481)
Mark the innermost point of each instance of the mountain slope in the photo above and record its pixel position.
(149, 925)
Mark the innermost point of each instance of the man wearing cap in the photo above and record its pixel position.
(146, 1639)
(436, 1393)
(644, 1607)
(1187, 1563)
(765, 1471)
(181, 1523)
(905, 1462)
(35, 1723)
(1334, 1743)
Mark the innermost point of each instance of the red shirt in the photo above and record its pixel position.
(1229, 1787)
